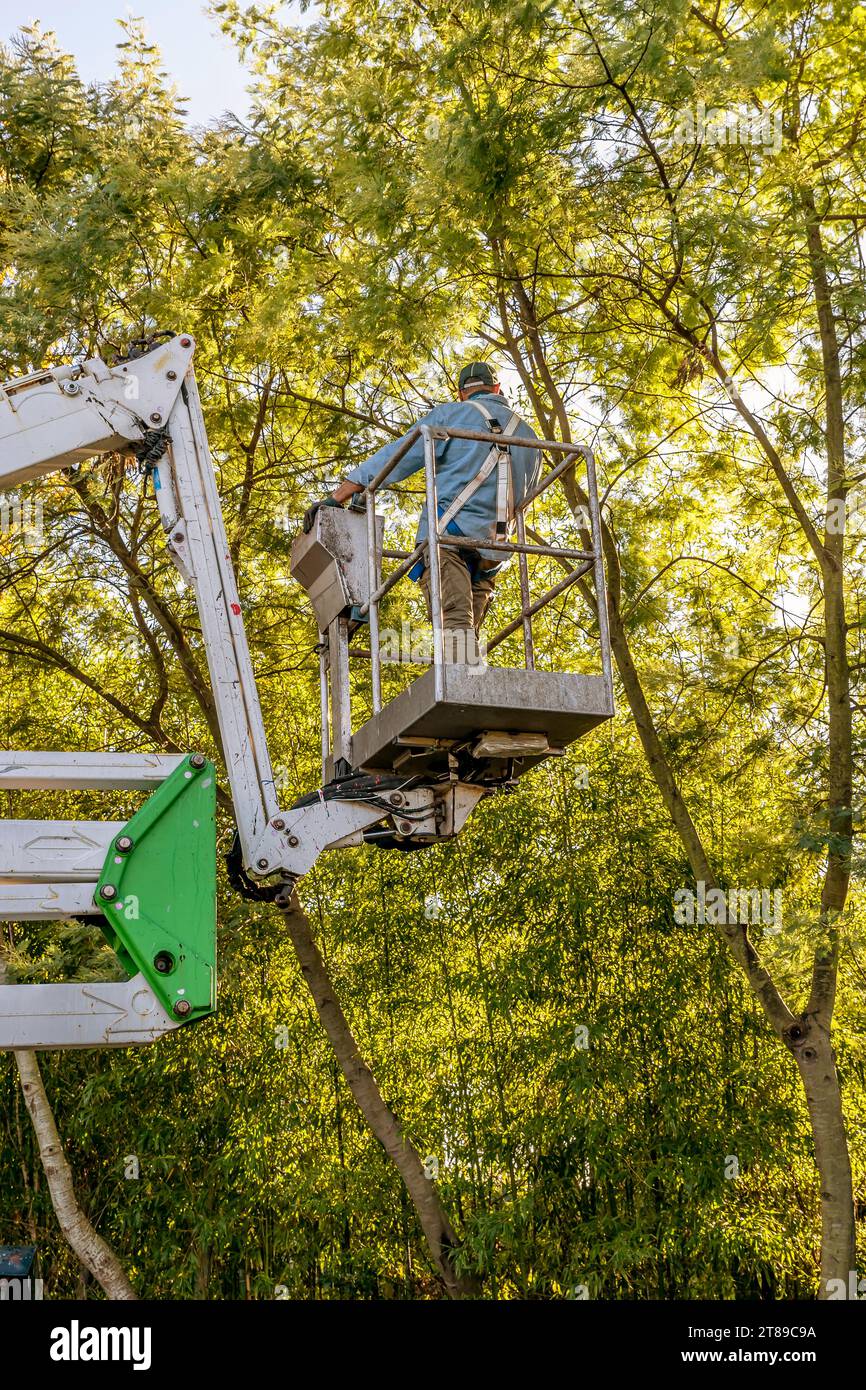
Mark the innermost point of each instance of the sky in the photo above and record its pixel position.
(202, 61)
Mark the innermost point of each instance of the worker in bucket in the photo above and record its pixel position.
(477, 484)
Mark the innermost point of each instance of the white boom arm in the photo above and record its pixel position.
(150, 404)
(51, 419)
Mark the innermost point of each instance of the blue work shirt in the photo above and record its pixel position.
(458, 461)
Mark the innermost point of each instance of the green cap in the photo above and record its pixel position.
(476, 374)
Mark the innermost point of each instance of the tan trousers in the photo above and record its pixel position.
(464, 604)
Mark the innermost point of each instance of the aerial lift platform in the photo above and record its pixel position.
(407, 777)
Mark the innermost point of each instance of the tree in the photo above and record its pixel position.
(507, 179)
(537, 163)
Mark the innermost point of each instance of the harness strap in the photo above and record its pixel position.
(498, 458)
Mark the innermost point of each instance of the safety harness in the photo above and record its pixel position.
(498, 458)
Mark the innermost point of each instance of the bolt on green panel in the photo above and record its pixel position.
(157, 891)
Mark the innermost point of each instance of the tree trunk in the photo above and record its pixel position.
(810, 1044)
(814, 1053)
(437, 1229)
(85, 1240)
(807, 1036)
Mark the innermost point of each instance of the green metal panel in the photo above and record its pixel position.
(157, 890)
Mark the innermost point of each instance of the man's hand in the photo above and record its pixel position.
(310, 513)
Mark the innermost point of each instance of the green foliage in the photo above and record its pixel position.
(417, 185)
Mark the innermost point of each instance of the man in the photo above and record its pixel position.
(477, 486)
